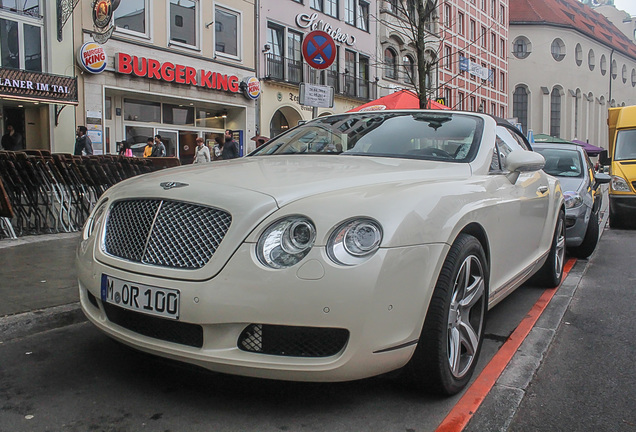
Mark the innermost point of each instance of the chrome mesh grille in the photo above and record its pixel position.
(165, 233)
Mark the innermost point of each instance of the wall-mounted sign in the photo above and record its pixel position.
(474, 69)
(92, 58)
(102, 13)
(176, 73)
(34, 86)
(319, 49)
(312, 22)
(251, 88)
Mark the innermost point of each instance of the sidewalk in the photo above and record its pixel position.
(38, 284)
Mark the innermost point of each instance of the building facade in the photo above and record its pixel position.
(569, 64)
(283, 27)
(174, 68)
(37, 76)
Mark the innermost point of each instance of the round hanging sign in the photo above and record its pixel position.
(92, 57)
(102, 13)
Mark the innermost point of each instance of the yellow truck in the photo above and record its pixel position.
(621, 158)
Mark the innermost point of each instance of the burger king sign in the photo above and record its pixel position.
(92, 58)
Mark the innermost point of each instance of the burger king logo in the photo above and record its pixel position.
(92, 58)
(252, 88)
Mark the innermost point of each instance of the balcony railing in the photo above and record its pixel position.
(279, 68)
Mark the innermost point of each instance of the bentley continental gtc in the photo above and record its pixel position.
(347, 247)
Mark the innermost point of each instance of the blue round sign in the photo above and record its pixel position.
(319, 49)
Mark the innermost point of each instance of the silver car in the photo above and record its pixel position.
(570, 163)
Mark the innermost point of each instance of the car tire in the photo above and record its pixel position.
(551, 273)
(590, 240)
(452, 334)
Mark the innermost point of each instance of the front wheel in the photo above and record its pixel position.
(590, 240)
(453, 330)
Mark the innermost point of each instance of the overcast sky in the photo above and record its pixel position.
(626, 5)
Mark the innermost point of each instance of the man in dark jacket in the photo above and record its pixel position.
(230, 148)
(83, 142)
(12, 140)
(159, 150)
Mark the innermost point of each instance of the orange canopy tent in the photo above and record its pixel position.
(403, 99)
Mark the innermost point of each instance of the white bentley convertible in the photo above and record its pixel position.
(350, 246)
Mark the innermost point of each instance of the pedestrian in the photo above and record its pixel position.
(83, 144)
(159, 150)
(124, 149)
(12, 140)
(201, 152)
(230, 147)
(217, 150)
(148, 148)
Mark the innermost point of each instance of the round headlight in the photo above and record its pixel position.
(286, 242)
(354, 241)
(94, 219)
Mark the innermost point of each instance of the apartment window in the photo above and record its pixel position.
(460, 24)
(473, 29)
(390, 62)
(520, 106)
(363, 83)
(460, 101)
(294, 57)
(362, 15)
(392, 5)
(275, 56)
(350, 73)
(483, 5)
(226, 32)
(473, 60)
(22, 7)
(331, 8)
(132, 15)
(448, 93)
(484, 39)
(493, 43)
(447, 15)
(316, 4)
(17, 55)
(350, 12)
(493, 78)
(502, 15)
(555, 112)
(409, 69)
(502, 48)
(493, 11)
(502, 82)
(184, 21)
(502, 112)
(473, 104)
(448, 57)
(493, 109)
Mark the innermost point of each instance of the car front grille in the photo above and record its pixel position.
(293, 341)
(158, 328)
(165, 233)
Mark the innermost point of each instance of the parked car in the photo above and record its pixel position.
(304, 261)
(583, 197)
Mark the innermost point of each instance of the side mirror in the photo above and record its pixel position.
(602, 178)
(519, 161)
(604, 158)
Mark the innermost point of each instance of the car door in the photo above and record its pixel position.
(522, 213)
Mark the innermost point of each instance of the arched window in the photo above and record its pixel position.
(577, 111)
(279, 124)
(558, 49)
(578, 54)
(390, 63)
(520, 106)
(409, 68)
(555, 112)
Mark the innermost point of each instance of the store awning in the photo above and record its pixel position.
(590, 149)
(403, 99)
(38, 87)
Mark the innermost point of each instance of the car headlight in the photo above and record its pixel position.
(94, 219)
(572, 199)
(286, 242)
(619, 184)
(354, 241)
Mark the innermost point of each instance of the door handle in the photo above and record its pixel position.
(542, 189)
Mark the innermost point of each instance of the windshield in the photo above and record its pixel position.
(415, 135)
(625, 145)
(561, 162)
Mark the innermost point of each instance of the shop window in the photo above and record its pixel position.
(132, 16)
(178, 115)
(142, 111)
(227, 37)
(27, 56)
(137, 136)
(184, 19)
(210, 119)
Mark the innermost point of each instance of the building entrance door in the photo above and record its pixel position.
(187, 145)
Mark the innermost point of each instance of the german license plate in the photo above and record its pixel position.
(163, 302)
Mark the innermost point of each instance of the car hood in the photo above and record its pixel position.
(571, 184)
(289, 178)
(253, 189)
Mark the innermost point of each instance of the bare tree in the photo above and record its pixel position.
(415, 21)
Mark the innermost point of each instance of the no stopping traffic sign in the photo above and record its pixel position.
(319, 49)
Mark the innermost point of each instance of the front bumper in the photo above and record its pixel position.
(380, 303)
(621, 204)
